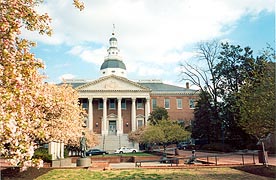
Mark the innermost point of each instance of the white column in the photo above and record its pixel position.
(104, 129)
(58, 149)
(147, 110)
(119, 114)
(90, 114)
(52, 149)
(133, 115)
(62, 150)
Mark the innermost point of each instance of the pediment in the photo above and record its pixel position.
(140, 116)
(112, 83)
(112, 115)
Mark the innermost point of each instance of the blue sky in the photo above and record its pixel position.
(154, 36)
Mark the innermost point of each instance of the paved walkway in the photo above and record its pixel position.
(237, 158)
(229, 158)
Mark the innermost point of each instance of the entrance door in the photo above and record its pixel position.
(112, 127)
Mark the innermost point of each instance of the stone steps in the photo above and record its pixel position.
(112, 142)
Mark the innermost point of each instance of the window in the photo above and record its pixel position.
(192, 103)
(112, 104)
(167, 103)
(140, 123)
(100, 104)
(154, 103)
(179, 103)
(139, 104)
(123, 104)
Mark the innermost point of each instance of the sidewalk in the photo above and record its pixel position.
(238, 158)
(229, 158)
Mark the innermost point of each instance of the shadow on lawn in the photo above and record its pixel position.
(260, 170)
(30, 173)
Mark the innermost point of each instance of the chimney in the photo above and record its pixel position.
(187, 85)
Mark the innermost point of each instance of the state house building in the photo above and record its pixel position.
(117, 105)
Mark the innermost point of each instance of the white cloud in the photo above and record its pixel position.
(151, 34)
(153, 26)
(87, 54)
(66, 76)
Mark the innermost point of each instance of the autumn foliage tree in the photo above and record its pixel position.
(63, 116)
(27, 113)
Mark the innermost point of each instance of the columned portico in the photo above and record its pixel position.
(123, 117)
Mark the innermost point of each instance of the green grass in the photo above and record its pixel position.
(150, 174)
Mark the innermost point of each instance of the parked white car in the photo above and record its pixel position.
(125, 150)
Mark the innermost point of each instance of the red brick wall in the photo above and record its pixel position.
(186, 113)
(97, 117)
(126, 115)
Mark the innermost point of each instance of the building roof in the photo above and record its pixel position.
(113, 63)
(75, 82)
(159, 87)
(155, 86)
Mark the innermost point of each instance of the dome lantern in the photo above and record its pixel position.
(113, 63)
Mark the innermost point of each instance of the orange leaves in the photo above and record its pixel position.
(78, 4)
(63, 114)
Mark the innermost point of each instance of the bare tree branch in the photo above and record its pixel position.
(204, 76)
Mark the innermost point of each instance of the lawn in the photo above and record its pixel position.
(148, 174)
(204, 173)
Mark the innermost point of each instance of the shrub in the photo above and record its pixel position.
(66, 153)
(217, 147)
(42, 153)
(252, 146)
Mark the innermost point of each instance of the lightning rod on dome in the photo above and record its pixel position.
(113, 33)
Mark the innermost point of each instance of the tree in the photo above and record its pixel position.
(207, 119)
(202, 126)
(204, 77)
(157, 115)
(235, 66)
(165, 132)
(152, 135)
(135, 136)
(21, 86)
(63, 116)
(257, 100)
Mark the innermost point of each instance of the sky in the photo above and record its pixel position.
(154, 36)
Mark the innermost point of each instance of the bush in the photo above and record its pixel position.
(42, 153)
(252, 146)
(66, 153)
(217, 147)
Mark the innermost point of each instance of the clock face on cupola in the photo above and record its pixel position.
(113, 63)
